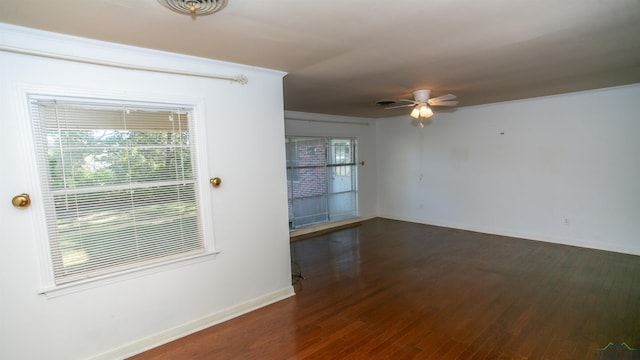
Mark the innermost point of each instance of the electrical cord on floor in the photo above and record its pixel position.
(296, 273)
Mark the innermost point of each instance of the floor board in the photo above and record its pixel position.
(388, 289)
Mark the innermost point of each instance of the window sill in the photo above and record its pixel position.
(81, 285)
(303, 233)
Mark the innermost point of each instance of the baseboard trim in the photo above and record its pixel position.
(191, 327)
(522, 235)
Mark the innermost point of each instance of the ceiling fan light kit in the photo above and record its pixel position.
(194, 7)
(421, 111)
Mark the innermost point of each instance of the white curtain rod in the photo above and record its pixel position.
(239, 79)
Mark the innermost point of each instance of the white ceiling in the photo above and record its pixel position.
(343, 55)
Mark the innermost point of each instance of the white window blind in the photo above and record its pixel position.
(119, 184)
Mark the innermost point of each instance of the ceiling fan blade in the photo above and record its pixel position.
(443, 98)
(398, 106)
(407, 100)
(443, 103)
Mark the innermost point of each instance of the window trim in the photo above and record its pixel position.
(47, 285)
(124, 275)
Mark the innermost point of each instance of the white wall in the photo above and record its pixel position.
(250, 221)
(563, 169)
(362, 129)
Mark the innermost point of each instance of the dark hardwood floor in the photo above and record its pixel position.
(396, 290)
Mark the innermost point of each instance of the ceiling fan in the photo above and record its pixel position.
(421, 105)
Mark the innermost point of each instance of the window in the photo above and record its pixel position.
(119, 184)
(321, 179)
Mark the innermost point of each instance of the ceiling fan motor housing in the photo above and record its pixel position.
(421, 95)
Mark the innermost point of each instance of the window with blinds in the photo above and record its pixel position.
(119, 184)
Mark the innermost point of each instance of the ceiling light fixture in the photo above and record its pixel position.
(421, 110)
(421, 105)
(194, 7)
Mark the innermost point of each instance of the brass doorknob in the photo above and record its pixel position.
(215, 182)
(21, 201)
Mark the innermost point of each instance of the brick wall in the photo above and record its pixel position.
(310, 181)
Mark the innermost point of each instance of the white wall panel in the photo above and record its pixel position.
(563, 168)
(244, 146)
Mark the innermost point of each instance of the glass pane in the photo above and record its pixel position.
(341, 151)
(307, 152)
(342, 206)
(310, 210)
(341, 178)
(318, 168)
